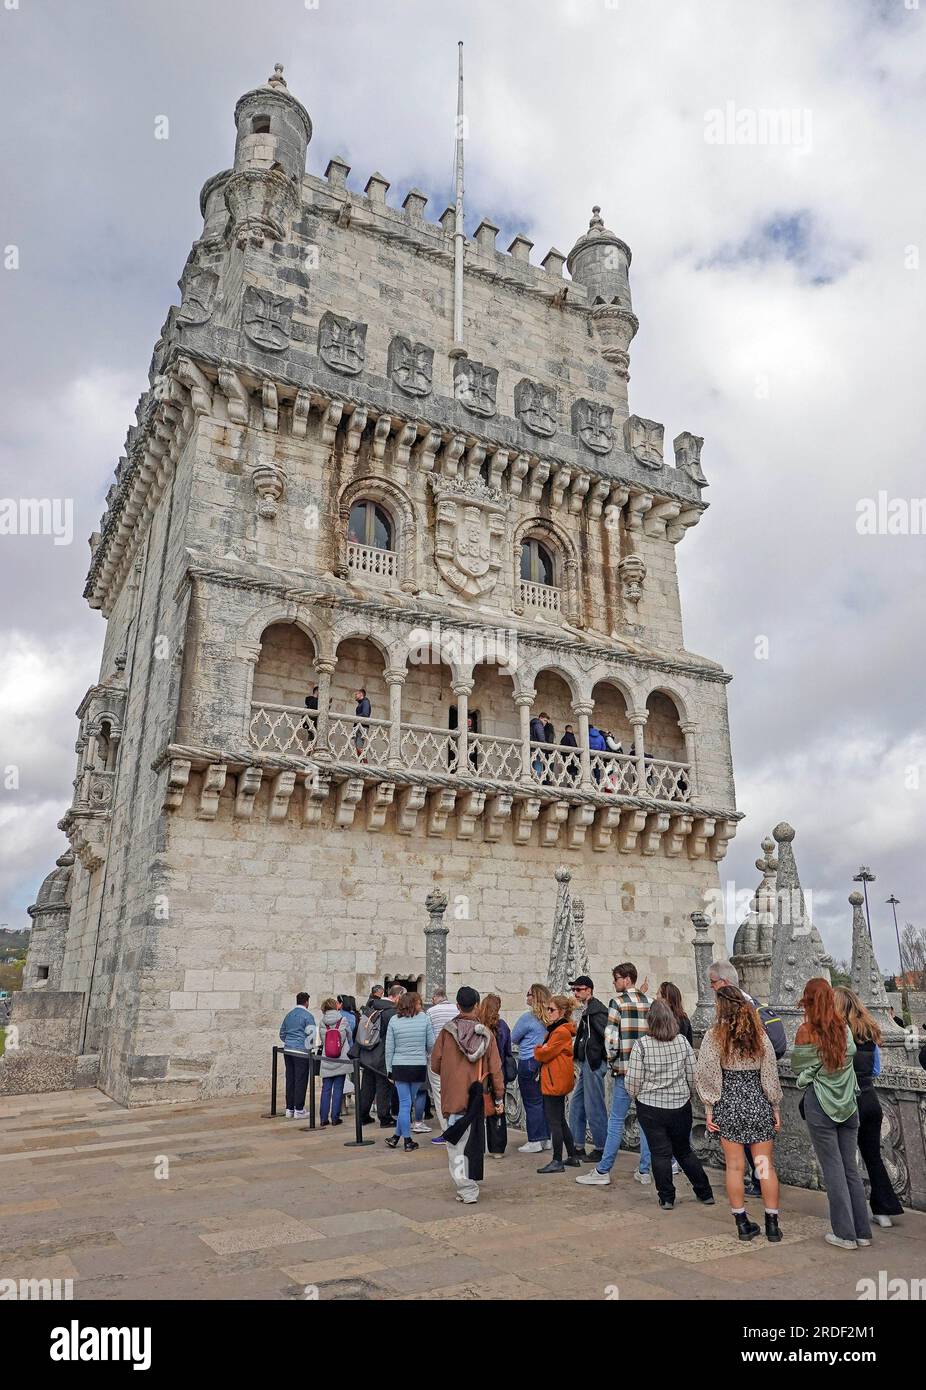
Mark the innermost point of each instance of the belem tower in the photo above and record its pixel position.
(325, 487)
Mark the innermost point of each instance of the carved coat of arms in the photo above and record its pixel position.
(643, 439)
(688, 456)
(469, 531)
(593, 423)
(342, 343)
(266, 319)
(474, 386)
(411, 366)
(198, 297)
(535, 407)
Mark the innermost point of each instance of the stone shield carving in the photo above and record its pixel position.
(474, 386)
(198, 298)
(266, 319)
(643, 439)
(469, 532)
(411, 366)
(593, 423)
(688, 455)
(535, 407)
(342, 343)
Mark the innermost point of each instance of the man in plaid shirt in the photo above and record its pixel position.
(626, 1023)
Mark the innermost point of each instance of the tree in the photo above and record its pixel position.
(841, 972)
(913, 952)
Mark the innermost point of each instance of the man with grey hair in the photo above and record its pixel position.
(724, 972)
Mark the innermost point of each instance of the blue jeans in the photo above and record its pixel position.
(587, 1109)
(421, 1100)
(332, 1091)
(535, 1120)
(620, 1104)
(407, 1091)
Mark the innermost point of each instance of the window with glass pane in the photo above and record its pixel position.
(537, 563)
(368, 524)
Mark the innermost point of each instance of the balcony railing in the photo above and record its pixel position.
(371, 561)
(491, 755)
(287, 729)
(283, 729)
(614, 772)
(542, 598)
(359, 740)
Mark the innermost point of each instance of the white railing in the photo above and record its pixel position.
(555, 765)
(283, 729)
(491, 755)
(426, 749)
(359, 740)
(614, 772)
(668, 781)
(543, 598)
(371, 560)
(287, 729)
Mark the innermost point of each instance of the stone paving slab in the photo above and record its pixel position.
(260, 1209)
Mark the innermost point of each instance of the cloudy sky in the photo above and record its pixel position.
(777, 283)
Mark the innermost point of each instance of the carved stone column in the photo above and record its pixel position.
(324, 670)
(251, 655)
(703, 1016)
(394, 677)
(691, 757)
(582, 711)
(435, 944)
(524, 704)
(462, 690)
(638, 721)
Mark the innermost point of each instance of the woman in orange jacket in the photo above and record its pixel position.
(557, 1078)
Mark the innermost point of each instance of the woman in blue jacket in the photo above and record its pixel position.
(409, 1039)
(527, 1033)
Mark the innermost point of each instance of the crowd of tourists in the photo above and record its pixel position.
(455, 1060)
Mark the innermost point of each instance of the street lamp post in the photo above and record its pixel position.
(864, 877)
(895, 903)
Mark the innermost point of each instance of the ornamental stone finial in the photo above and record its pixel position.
(277, 80)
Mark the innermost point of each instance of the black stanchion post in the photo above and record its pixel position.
(358, 1140)
(271, 1114)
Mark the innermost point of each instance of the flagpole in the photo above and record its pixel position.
(458, 349)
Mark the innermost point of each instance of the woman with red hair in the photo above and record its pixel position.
(822, 1062)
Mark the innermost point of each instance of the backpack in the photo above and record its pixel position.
(334, 1041)
(775, 1030)
(369, 1028)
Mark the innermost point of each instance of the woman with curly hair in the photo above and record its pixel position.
(866, 1034)
(822, 1061)
(737, 1079)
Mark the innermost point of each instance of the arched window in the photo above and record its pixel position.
(368, 524)
(371, 541)
(537, 563)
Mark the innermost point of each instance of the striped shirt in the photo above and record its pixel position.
(626, 1023)
(661, 1074)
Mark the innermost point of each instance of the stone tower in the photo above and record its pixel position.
(317, 493)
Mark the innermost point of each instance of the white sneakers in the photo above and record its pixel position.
(842, 1244)
(536, 1146)
(291, 1113)
(419, 1127)
(644, 1178)
(884, 1221)
(594, 1179)
(300, 1114)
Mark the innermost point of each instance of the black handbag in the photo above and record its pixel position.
(509, 1068)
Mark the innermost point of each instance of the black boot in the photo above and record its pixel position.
(745, 1229)
(409, 1145)
(393, 1143)
(772, 1229)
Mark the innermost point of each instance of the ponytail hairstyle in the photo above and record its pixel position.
(566, 1003)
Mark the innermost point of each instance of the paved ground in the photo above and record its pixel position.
(251, 1208)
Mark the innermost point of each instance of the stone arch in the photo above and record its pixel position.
(634, 695)
(250, 634)
(672, 693)
(285, 667)
(666, 716)
(526, 674)
(401, 509)
(566, 562)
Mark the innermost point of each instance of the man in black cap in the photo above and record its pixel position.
(587, 1109)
